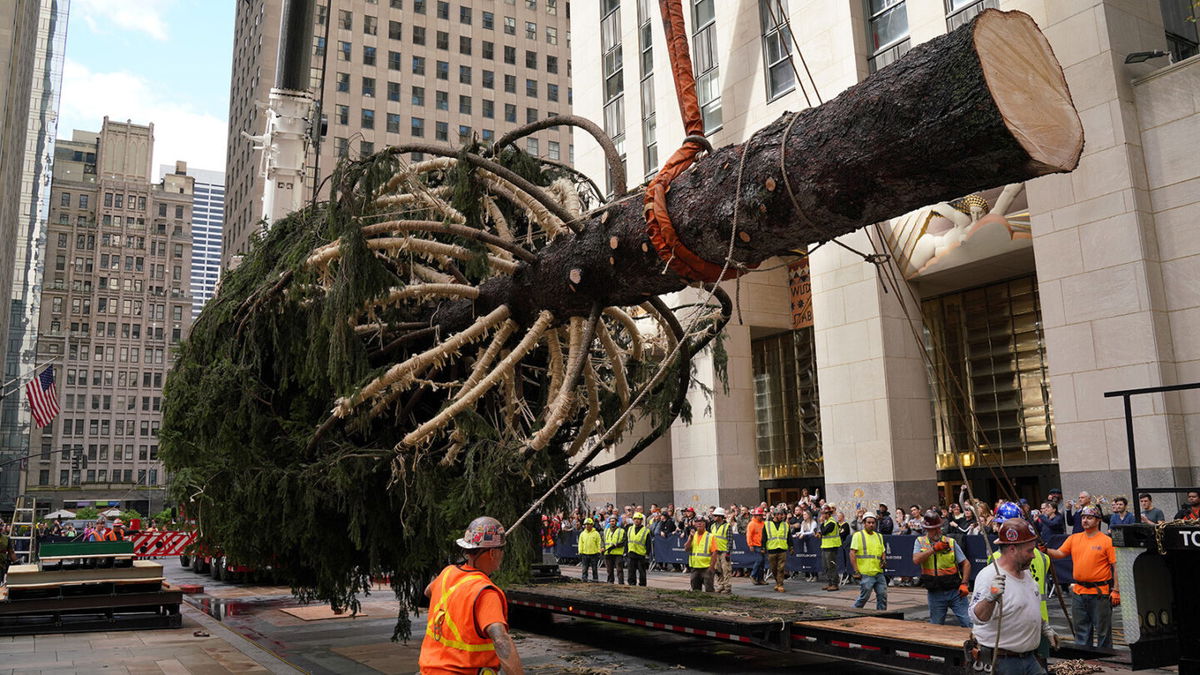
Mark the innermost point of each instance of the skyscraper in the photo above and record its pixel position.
(208, 218)
(116, 304)
(398, 71)
(38, 127)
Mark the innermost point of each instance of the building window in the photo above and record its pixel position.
(418, 96)
(441, 131)
(510, 25)
(510, 55)
(393, 91)
(551, 64)
(345, 19)
(418, 65)
(530, 59)
(489, 109)
(368, 119)
(343, 82)
(464, 45)
(777, 48)
(552, 7)
(443, 10)
(464, 105)
(1179, 20)
(489, 21)
(614, 77)
(464, 74)
(418, 37)
(489, 79)
(343, 51)
(646, 11)
(960, 12)
(531, 88)
(552, 92)
(489, 50)
(787, 408)
(531, 115)
(442, 40)
(510, 84)
(394, 61)
(530, 30)
(368, 87)
(531, 146)
(395, 30)
(552, 150)
(418, 127)
(368, 56)
(510, 112)
(443, 70)
(704, 45)
(551, 35)
(370, 25)
(393, 123)
(887, 32)
(464, 15)
(441, 100)
(991, 389)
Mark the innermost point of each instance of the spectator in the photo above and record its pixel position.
(856, 525)
(1095, 589)
(957, 522)
(802, 529)
(1190, 510)
(1150, 514)
(1120, 516)
(886, 524)
(972, 525)
(1055, 496)
(1075, 511)
(914, 523)
(69, 531)
(1049, 522)
(743, 519)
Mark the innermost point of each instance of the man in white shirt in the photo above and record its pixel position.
(1007, 599)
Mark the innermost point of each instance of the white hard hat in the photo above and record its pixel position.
(718, 511)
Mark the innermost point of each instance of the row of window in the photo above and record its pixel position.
(128, 331)
(67, 477)
(124, 378)
(110, 353)
(442, 133)
(368, 85)
(87, 242)
(117, 200)
(106, 427)
(121, 452)
(466, 17)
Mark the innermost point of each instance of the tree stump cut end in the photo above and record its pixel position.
(1028, 86)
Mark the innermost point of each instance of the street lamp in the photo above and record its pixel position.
(1142, 57)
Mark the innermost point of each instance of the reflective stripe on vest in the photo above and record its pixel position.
(721, 532)
(777, 534)
(934, 565)
(868, 552)
(831, 540)
(614, 540)
(452, 638)
(701, 560)
(637, 540)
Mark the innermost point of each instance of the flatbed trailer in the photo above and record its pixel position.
(85, 608)
(880, 638)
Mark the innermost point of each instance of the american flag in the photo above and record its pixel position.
(42, 397)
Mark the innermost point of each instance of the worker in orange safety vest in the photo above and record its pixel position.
(467, 628)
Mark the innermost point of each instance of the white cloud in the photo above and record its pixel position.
(145, 16)
(180, 131)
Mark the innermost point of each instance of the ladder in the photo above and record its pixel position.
(22, 533)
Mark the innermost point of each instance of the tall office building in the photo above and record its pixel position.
(115, 305)
(208, 218)
(31, 126)
(1017, 308)
(397, 71)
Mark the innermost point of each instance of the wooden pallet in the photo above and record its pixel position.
(947, 637)
(30, 576)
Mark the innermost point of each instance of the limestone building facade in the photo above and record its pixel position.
(1019, 307)
(115, 304)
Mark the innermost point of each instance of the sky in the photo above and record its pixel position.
(161, 61)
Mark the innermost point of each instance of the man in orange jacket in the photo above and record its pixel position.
(467, 628)
(754, 540)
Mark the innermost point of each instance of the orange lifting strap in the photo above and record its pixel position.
(662, 234)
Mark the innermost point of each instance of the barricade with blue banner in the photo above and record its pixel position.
(805, 554)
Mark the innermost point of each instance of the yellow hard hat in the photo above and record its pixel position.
(588, 521)
(639, 516)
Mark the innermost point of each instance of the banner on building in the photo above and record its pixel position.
(800, 290)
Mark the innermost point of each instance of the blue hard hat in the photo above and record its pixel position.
(1007, 510)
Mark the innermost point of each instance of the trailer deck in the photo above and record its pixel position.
(883, 638)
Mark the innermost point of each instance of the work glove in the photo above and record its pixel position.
(942, 545)
(1048, 631)
(963, 591)
(1116, 599)
(857, 576)
(996, 589)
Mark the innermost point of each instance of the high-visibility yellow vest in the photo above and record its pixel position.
(614, 540)
(721, 532)
(777, 534)
(831, 540)
(1039, 567)
(868, 552)
(589, 542)
(940, 563)
(637, 539)
(701, 556)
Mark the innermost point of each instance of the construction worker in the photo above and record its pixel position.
(101, 532)
(702, 556)
(590, 548)
(723, 568)
(777, 545)
(866, 559)
(639, 538)
(1094, 593)
(1039, 569)
(1005, 607)
(754, 541)
(944, 571)
(8, 552)
(467, 627)
(831, 541)
(614, 550)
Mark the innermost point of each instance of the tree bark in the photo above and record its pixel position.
(982, 106)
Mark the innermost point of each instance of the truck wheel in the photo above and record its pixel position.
(218, 566)
(185, 561)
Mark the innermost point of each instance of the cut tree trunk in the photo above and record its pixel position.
(985, 105)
